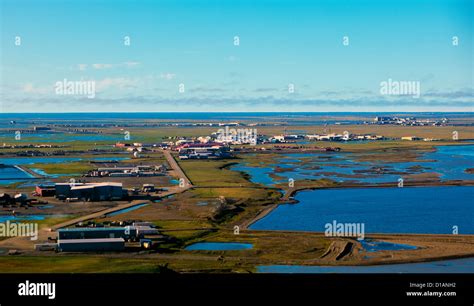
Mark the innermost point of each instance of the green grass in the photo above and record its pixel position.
(213, 173)
(183, 224)
(238, 193)
(78, 167)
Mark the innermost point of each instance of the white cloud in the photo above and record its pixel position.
(116, 83)
(30, 88)
(102, 66)
(131, 64)
(168, 76)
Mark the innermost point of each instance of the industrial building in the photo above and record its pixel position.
(86, 239)
(203, 151)
(127, 233)
(141, 170)
(87, 245)
(90, 191)
(45, 190)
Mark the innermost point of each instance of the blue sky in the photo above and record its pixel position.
(192, 43)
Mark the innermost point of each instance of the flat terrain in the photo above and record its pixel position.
(216, 199)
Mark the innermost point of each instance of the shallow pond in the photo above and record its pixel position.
(377, 246)
(449, 161)
(11, 218)
(125, 210)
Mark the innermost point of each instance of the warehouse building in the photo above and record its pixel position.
(94, 245)
(127, 233)
(90, 191)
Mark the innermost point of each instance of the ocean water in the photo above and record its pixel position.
(433, 210)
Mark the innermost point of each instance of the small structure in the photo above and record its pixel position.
(45, 190)
(410, 138)
(146, 243)
(46, 247)
(20, 198)
(146, 230)
(143, 223)
(122, 145)
(278, 138)
(41, 128)
(148, 188)
(5, 198)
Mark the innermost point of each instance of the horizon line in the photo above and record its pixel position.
(228, 112)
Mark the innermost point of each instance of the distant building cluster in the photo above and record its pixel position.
(344, 137)
(203, 151)
(30, 146)
(141, 147)
(282, 138)
(408, 121)
(415, 138)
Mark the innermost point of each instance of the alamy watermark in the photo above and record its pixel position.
(80, 88)
(400, 88)
(19, 229)
(237, 136)
(28, 288)
(336, 229)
